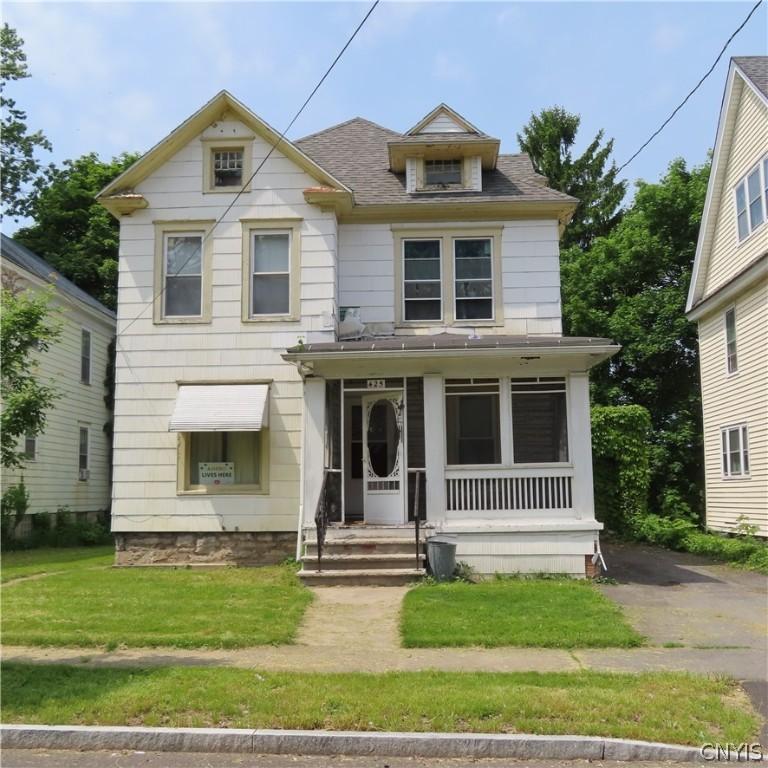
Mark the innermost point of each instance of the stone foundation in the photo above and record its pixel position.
(226, 548)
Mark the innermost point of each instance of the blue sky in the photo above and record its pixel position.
(109, 77)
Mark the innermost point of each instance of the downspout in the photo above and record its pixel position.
(598, 556)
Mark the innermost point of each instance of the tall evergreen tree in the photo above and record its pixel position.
(72, 231)
(549, 138)
(18, 147)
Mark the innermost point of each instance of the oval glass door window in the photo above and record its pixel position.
(383, 438)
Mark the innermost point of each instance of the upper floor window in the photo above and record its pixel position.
(730, 341)
(85, 356)
(270, 273)
(735, 451)
(227, 167)
(30, 447)
(473, 270)
(442, 172)
(422, 289)
(183, 274)
(752, 200)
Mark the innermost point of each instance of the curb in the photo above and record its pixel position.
(357, 743)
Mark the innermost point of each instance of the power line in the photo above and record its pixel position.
(279, 141)
(695, 88)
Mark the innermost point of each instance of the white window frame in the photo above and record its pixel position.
(725, 451)
(86, 379)
(761, 167)
(731, 371)
(82, 428)
(184, 233)
(439, 281)
(30, 455)
(492, 279)
(251, 274)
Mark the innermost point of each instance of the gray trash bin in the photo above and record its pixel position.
(441, 554)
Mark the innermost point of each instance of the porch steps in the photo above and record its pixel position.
(362, 555)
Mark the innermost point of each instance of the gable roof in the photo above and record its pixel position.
(22, 257)
(744, 72)
(442, 109)
(356, 152)
(210, 112)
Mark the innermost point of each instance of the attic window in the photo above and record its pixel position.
(227, 168)
(442, 172)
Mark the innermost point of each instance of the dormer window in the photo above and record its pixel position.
(228, 167)
(440, 173)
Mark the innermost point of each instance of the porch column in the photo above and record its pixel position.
(313, 449)
(580, 428)
(434, 446)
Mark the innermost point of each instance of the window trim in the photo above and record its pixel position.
(728, 371)
(447, 274)
(211, 145)
(202, 227)
(265, 226)
(743, 450)
(183, 488)
(761, 166)
(86, 380)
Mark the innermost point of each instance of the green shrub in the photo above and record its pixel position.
(620, 451)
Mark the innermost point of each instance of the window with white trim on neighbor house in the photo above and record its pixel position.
(735, 451)
(270, 280)
(183, 274)
(752, 200)
(732, 361)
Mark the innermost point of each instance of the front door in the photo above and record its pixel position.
(383, 499)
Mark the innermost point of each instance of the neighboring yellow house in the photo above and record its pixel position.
(68, 464)
(729, 300)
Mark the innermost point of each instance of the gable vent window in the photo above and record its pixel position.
(442, 172)
(228, 168)
(752, 200)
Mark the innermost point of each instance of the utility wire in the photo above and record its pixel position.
(695, 88)
(279, 141)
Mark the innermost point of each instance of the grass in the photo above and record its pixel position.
(31, 562)
(671, 706)
(544, 613)
(223, 608)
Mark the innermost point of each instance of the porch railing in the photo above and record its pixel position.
(508, 490)
(323, 512)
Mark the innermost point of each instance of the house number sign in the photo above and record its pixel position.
(377, 383)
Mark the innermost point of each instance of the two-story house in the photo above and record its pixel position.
(372, 320)
(67, 466)
(729, 300)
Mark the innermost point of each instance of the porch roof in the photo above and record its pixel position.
(455, 344)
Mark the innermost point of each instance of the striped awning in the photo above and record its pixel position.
(221, 408)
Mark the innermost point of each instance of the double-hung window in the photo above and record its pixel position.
(730, 341)
(85, 356)
(270, 278)
(735, 451)
(752, 200)
(539, 420)
(473, 272)
(442, 173)
(472, 421)
(183, 274)
(83, 458)
(422, 279)
(30, 447)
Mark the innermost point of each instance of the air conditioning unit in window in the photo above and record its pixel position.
(84, 474)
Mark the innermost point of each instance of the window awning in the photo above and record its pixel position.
(221, 408)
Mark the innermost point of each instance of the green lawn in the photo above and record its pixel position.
(31, 562)
(670, 707)
(183, 608)
(544, 613)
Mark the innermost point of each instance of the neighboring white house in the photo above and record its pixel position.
(68, 464)
(729, 299)
(375, 310)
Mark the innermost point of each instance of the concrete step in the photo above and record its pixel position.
(335, 532)
(377, 562)
(355, 578)
(364, 547)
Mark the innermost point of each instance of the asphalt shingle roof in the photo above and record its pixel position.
(356, 153)
(17, 254)
(756, 69)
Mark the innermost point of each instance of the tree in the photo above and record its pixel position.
(72, 231)
(631, 285)
(18, 147)
(549, 138)
(27, 329)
